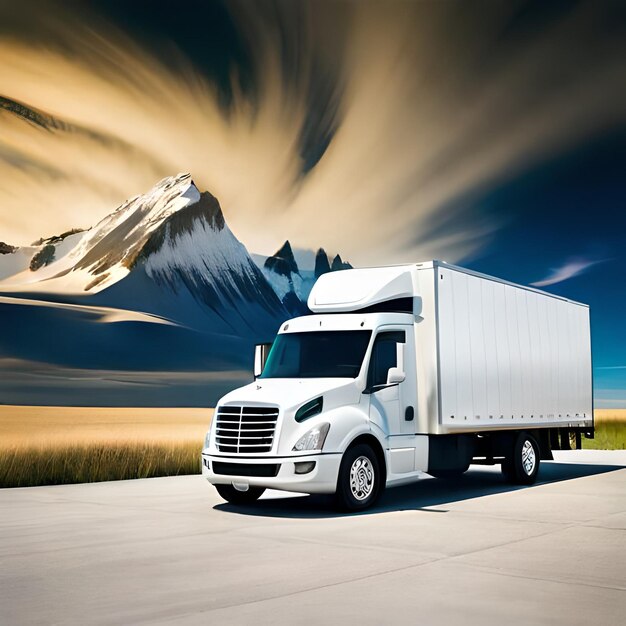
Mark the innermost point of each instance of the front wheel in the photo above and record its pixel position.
(359, 481)
(234, 496)
(522, 464)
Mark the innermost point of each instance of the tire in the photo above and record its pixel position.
(522, 464)
(232, 495)
(449, 474)
(359, 480)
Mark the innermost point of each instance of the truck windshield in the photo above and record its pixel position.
(318, 354)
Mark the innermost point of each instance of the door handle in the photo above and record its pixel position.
(409, 414)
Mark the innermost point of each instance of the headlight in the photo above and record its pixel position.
(207, 437)
(313, 439)
(314, 407)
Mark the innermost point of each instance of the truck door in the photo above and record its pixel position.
(392, 407)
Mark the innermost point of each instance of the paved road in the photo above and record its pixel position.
(167, 550)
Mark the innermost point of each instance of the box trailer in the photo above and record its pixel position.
(403, 371)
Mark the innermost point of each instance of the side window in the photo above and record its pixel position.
(384, 356)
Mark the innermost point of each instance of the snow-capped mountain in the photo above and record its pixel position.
(168, 245)
(159, 289)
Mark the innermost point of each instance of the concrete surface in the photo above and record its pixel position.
(168, 550)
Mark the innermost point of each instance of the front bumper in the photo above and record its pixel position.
(321, 479)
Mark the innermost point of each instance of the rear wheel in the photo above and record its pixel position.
(234, 496)
(522, 464)
(359, 481)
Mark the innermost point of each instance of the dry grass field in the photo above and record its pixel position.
(610, 430)
(56, 445)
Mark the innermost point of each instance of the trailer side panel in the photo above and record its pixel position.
(510, 357)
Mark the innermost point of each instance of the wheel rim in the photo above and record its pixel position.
(529, 457)
(362, 478)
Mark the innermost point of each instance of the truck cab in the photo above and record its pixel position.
(347, 400)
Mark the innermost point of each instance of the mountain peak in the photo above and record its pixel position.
(339, 264)
(206, 210)
(322, 266)
(283, 261)
(106, 253)
(118, 239)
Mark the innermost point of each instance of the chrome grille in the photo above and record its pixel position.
(245, 429)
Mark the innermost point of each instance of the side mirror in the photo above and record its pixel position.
(395, 376)
(261, 352)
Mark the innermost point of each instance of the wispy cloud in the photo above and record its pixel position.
(571, 268)
(610, 399)
(411, 117)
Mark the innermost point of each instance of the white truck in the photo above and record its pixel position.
(403, 371)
